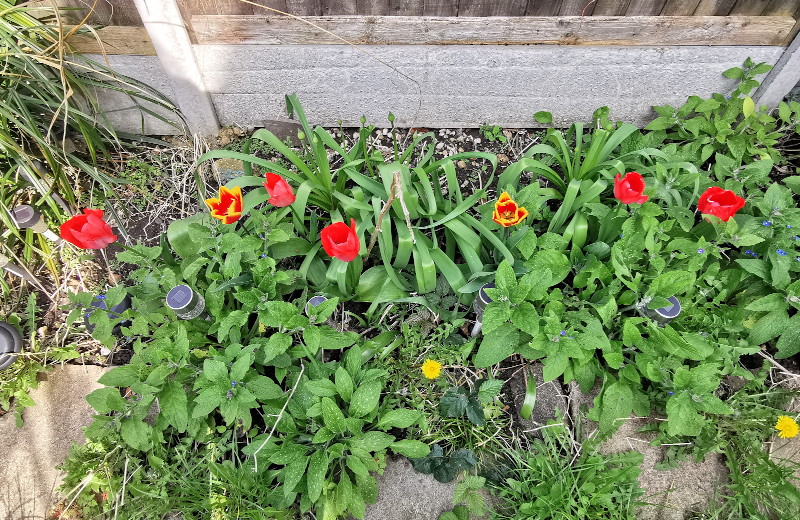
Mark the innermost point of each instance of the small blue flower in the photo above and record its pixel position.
(229, 395)
(798, 258)
(749, 252)
(100, 297)
(88, 314)
(672, 393)
(796, 237)
(233, 384)
(261, 236)
(701, 251)
(128, 338)
(621, 235)
(264, 255)
(754, 255)
(788, 226)
(571, 337)
(781, 252)
(767, 223)
(563, 333)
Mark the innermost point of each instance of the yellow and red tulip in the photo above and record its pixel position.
(228, 207)
(506, 212)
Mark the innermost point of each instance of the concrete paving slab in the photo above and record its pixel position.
(676, 493)
(28, 460)
(405, 494)
(550, 400)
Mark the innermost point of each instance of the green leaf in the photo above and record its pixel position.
(332, 416)
(174, 405)
(344, 383)
(734, 73)
(373, 441)
(543, 117)
(490, 389)
(234, 319)
(672, 283)
(770, 302)
(475, 413)
(264, 388)
(400, 418)
(293, 474)
(215, 370)
(365, 398)
(205, 403)
(789, 342)
(748, 106)
(135, 433)
(497, 345)
(768, 327)
(105, 400)
(505, 279)
(321, 387)
(525, 318)
(617, 403)
(682, 415)
(317, 469)
(123, 376)
(554, 366)
(496, 314)
(410, 448)
(454, 402)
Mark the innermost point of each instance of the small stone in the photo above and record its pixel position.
(105, 351)
(461, 164)
(114, 278)
(439, 146)
(478, 140)
(503, 158)
(385, 131)
(460, 150)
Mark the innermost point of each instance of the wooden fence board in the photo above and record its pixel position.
(714, 7)
(440, 8)
(304, 7)
(679, 7)
(410, 30)
(371, 8)
(102, 12)
(405, 7)
(508, 7)
(474, 7)
(611, 7)
(782, 8)
(115, 40)
(645, 7)
(576, 8)
(543, 8)
(334, 7)
(749, 7)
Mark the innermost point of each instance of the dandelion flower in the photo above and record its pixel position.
(787, 427)
(433, 369)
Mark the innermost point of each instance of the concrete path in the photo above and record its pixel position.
(405, 494)
(29, 455)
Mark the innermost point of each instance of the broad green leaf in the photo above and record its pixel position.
(789, 342)
(497, 345)
(215, 370)
(174, 405)
(410, 448)
(399, 418)
(135, 433)
(490, 389)
(332, 415)
(122, 376)
(373, 441)
(543, 117)
(525, 318)
(769, 327)
(617, 403)
(315, 478)
(365, 398)
(343, 383)
(454, 402)
(748, 107)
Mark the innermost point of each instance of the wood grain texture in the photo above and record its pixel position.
(103, 12)
(714, 7)
(679, 7)
(749, 7)
(543, 8)
(474, 7)
(611, 7)
(115, 40)
(372, 7)
(782, 8)
(440, 8)
(576, 8)
(304, 7)
(645, 7)
(405, 7)
(334, 7)
(508, 7)
(408, 30)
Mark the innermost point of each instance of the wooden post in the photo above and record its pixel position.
(164, 24)
(782, 78)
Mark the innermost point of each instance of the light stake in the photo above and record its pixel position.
(115, 311)
(28, 218)
(314, 302)
(479, 305)
(10, 344)
(19, 271)
(662, 315)
(187, 303)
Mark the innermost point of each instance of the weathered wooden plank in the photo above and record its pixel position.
(595, 30)
(576, 8)
(611, 7)
(474, 7)
(749, 7)
(334, 7)
(714, 7)
(115, 40)
(121, 12)
(782, 8)
(304, 7)
(508, 8)
(645, 7)
(679, 7)
(440, 8)
(543, 8)
(405, 7)
(214, 7)
(372, 7)
(280, 5)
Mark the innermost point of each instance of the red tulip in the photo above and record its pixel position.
(630, 189)
(88, 231)
(280, 193)
(228, 207)
(341, 241)
(720, 203)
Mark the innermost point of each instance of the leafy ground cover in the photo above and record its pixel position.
(246, 401)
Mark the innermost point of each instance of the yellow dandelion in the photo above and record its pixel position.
(787, 427)
(431, 369)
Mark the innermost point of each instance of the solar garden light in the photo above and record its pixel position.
(662, 315)
(479, 305)
(10, 344)
(28, 218)
(115, 311)
(187, 303)
(314, 302)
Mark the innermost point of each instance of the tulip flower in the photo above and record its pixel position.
(88, 231)
(280, 193)
(630, 188)
(228, 207)
(720, 203)
(506, 213)
(341, 241)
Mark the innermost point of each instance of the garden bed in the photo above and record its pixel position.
(635, 287)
